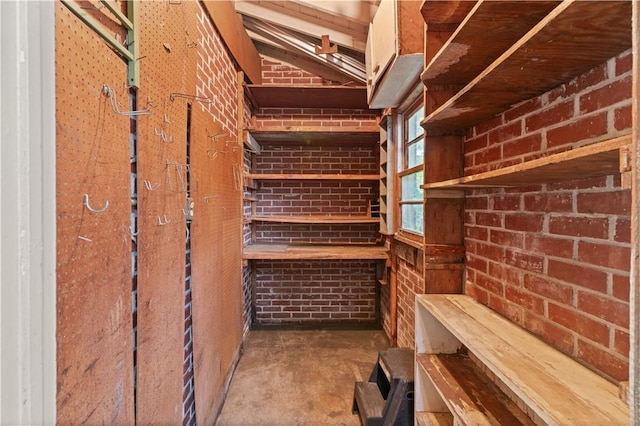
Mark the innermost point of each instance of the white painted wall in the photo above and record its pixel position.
(27, 213)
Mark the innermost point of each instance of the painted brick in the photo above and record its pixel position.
(613, 202)
(529, 301)
(624, 63)
(524, 222)
(507, 239)
(582, 129)
(580, 83)
(548, 289)
(554, 115)
(548, 202)
(574, 320)
(507, 202)
(549, 332)
(522, 109)
(602, 97)
(621, 342)
(614, 366)
(525, 261)
(578, 274)
(507, 132)
(513, 312)
(622, 118)
(549, 246)
(579, 226)
(615, 257)
(518, 147)
(476, 143)
(576, 253)
(491, 285)
(505, 273)
(621, 287)
(611, 311)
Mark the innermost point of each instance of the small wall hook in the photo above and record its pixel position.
(164, 220)
(92, 210)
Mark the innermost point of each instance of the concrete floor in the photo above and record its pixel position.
(300, 377)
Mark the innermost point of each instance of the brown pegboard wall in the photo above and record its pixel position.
(94, 323)
(161, 145)
(217, 227)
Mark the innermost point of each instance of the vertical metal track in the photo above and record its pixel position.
(188, 404)
(133, 152)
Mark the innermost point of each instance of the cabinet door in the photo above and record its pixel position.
(382, 40)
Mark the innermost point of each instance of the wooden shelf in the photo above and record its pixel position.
(315, 135)
(551, 385)
(599, 159)
(443, 12)
(337, 219)
(575, 37)
(318, 176)
(288, 96)
(468, 392)
(314, 251)
(486, 33)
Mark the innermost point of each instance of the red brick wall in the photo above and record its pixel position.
(409, 283)
(315, 117)
(275, 72)
(304, 291)
(555, 258)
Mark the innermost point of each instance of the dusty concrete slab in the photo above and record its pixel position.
(300, 377)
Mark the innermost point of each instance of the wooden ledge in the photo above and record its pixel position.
(335, 219)
(314, 251)
(316, 176)
(598, 159)
(555, 387)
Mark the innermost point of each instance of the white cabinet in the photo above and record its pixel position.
(394, 55)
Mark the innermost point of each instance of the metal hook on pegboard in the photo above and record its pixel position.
(164, 220)
(165, 138)
(151, 186)
(111, 94)
(91, 209)
(208, 197)
(202, 99)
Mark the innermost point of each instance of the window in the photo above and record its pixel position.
(410, 172)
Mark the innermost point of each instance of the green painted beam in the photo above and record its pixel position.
(100, 30)
(133, 36)
(113, 8)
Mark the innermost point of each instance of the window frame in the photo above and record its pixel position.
(403, 170)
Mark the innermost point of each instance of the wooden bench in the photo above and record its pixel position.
(462, 345)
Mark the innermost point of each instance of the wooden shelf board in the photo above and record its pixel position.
(316, 219)
(533, 370)
(289, 96)
(599, 159)
(433, 419)
(317, 176)
(445, 11)
(486, 33)
(469, 394)
(314, 251)
(316, 135)
(575, 37)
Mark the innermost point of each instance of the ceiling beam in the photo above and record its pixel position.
(288, 40)
(357, 11)
(289, 15)
(271, 50)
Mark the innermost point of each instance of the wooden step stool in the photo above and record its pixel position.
(387, 397)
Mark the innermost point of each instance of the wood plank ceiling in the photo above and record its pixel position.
(292, 31)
